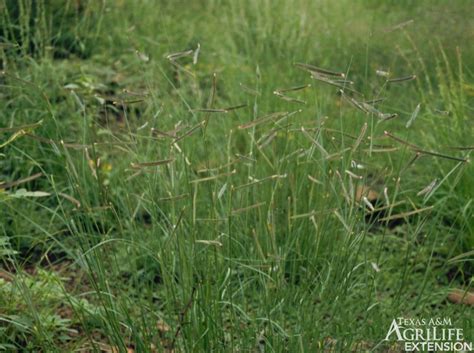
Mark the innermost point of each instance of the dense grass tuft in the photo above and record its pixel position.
(170, 180)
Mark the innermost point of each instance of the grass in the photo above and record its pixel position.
(154, 218)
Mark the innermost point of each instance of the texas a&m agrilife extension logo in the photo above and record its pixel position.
(428, 335)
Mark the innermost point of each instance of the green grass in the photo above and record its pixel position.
(244, 238)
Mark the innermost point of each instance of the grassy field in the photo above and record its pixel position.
(234, 176)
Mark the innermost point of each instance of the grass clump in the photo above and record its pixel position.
(189, 188)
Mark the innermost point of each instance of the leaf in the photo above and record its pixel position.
(25, 193)
(459, 296)
(365, 191)
(20, 181)
(13, 137)
(462, 257)
(26, 128)
(19, 131)
(71, 86)
(162, 327)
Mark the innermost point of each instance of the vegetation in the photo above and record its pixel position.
(248, 176)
